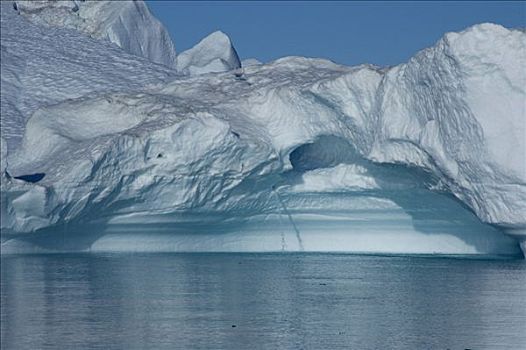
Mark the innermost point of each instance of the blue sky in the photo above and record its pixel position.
(382, 33)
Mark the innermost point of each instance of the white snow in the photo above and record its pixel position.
(127, 24)
(213, 54)
(44, 65)
(296, 154)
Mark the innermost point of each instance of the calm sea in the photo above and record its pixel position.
(261, 301)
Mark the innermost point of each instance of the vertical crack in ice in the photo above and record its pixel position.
(287, 213)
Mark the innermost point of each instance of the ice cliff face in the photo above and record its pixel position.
(127, 24)
(297, 154)
(466, 109)
(213, 54)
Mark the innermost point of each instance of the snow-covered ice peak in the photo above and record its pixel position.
(213, 54)
(128, 24)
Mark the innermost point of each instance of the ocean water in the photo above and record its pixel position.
(261, 301)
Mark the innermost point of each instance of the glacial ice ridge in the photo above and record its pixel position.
(127, 24)
(427, 157)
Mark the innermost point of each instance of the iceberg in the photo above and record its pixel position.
(44, 65)
(127, 24)
(299, 154)
(213, 54)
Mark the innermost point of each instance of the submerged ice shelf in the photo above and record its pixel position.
(299, 154)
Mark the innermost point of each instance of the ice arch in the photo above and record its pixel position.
(326, 151)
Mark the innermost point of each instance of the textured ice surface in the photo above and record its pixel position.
(296, 154)
(43, 65)
(128, 24)
(213, 54)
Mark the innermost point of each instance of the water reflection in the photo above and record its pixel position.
(294, 301)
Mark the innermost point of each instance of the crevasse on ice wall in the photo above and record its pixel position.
(297, 154)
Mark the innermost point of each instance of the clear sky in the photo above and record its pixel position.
(382, 33)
